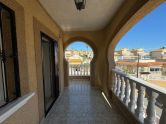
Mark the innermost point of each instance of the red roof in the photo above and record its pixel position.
(143, 64)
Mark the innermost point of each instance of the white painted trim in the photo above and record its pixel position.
(11, 108)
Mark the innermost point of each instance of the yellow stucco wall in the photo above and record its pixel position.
(26, 11)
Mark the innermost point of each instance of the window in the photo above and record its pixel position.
(155, 69)
(151, 69)
(9, 74)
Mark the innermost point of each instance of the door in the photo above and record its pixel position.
(50, 67)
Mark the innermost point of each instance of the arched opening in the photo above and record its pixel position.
(142, 50)
(138, 68)
(79, 56)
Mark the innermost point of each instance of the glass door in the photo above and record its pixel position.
(49, 72)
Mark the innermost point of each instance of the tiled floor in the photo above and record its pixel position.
(81, 104)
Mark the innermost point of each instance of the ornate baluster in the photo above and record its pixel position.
(163, 115)
(118, 85)
(132, 102)
(127, 92)
(84, 69)
(140, 104)
(80, 70)
(151, 113)
(122, 89)
(75, 72)
(115, 82)
(72, 70)
(89, 70)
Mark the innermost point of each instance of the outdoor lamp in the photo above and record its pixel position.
(80, 4)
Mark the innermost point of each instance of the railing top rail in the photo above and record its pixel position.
(144, 83)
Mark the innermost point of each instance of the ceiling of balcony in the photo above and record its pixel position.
(95, 16)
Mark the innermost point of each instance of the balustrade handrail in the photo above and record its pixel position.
(79, 70)
(133, 92)
(142, 82)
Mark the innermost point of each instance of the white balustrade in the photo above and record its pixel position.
(132, 102)
(118, 85)
(79, 69)
(140, 103)
(114, 82)
(163, 115)
(125, 87)
(127, 92)
(151, 113)
(122, 89)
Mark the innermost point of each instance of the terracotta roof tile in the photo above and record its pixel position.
(143, 64)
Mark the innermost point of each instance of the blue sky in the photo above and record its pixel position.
(149, 33)
(79, 46)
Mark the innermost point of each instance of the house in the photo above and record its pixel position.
(34, 82)
(158, 54)
(146, 69)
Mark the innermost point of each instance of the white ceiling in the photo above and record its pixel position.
(95, 16)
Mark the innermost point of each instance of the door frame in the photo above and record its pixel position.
(51, 40)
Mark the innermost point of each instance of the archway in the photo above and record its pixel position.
(144, 58)
(139, 15)
(81, 64)
(135, 62)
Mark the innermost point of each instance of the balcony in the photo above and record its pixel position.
(79, 70)
(36, 85)
(141, 99)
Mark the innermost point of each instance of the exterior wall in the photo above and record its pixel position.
(159, 55)
(156, 55)
(28, 114)
(38, 28)
(26, 12)
(164, 70)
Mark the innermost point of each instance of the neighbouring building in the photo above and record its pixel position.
(146, 68)
(131, 55)
(137, 52)
(75, 59)
(158, 54)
